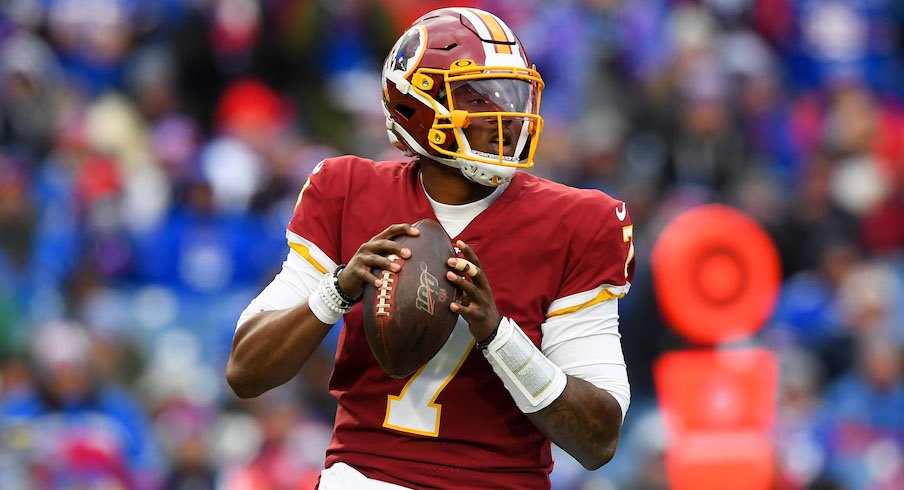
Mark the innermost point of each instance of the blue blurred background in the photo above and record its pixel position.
(151, 152)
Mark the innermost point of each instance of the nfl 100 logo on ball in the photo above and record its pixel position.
(407, 319)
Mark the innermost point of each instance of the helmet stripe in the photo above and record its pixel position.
(483, 30)
(516, 46)
(475, 21)
(496, 30)
(479, 26)
(509, 35)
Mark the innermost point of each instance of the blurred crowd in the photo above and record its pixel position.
(151, 153)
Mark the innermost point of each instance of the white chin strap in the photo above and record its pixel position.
(483, 174)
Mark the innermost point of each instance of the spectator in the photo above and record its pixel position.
(79, 431)
(866, 413)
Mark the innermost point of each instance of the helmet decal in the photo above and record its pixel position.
(407, 51)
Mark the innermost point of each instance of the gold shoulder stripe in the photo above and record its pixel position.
(602, 296)
(306, 253)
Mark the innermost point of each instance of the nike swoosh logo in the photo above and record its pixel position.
(622, 213)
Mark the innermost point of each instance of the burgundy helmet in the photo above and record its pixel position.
(460, 66)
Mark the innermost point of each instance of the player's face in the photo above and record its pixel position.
(484, 135)
(494, 133)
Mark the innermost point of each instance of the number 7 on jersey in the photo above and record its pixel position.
(415, 410)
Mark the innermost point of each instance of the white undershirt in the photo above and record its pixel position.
(455, 217)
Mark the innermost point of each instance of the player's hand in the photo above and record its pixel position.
(477, 307)
(374, 254)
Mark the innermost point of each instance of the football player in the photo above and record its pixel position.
(535, 357)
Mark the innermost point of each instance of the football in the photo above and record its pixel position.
(407, 320)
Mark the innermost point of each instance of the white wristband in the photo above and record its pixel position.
(530, 377)
(321, 309)
(326, 301)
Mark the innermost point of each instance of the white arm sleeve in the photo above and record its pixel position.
(586, 344)
(291, 286)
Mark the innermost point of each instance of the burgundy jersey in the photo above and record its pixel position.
(453, 424)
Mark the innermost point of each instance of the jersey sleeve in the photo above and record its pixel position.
(313, 231)
(600, 263)
(293, 284)
(587, 344)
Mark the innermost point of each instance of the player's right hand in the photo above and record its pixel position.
(374, 254)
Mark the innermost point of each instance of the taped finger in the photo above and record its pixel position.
(466, 267)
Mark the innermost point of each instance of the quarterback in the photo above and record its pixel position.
(536, 355)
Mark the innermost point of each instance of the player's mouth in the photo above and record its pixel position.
(503, 140)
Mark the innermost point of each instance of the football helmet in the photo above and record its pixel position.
(458, 88)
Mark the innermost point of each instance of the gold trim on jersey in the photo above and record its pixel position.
(600, 294)
(305, 252)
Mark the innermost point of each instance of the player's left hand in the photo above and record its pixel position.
(477, 307)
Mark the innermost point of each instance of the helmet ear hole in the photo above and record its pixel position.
(405, 111)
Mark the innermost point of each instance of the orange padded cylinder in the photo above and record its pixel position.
(719, 407)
